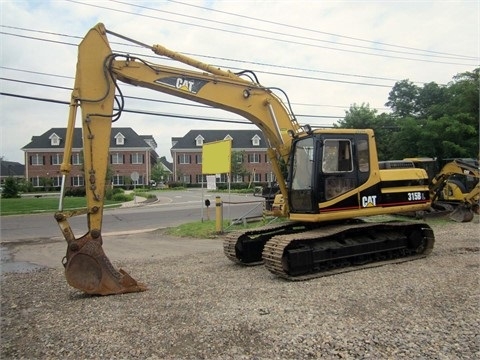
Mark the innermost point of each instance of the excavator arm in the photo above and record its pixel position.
(96, 92)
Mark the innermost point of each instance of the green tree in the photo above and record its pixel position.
(359, 117)
(237, 165)
(159, 173)
(403, 99)
(436, 121)
(10, 189)
(383, 125)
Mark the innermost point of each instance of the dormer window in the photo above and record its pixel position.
(199, 140)
(256, 140)
(54, 140)
(119, 139)
(228, 137)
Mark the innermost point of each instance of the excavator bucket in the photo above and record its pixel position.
(87, 268)
(462, 213)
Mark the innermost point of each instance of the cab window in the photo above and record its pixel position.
(337, 156)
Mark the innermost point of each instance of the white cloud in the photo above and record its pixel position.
(289, 36)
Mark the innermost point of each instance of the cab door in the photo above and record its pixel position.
(302, 184)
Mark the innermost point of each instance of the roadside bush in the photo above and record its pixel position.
(75, 191)
(173, 185)
(10, 189)
(25, 186)
(122, 197)
(111, 192)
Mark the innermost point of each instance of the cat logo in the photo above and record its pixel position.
(369, 201)
(185, 85)
(190, 85)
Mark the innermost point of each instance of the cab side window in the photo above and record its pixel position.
(363, 158)
(337, 156)
(337, 164)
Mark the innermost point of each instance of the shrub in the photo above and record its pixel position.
(10, 189)
(75, 191)
(122, 197)
(111, 192)
(173, 185)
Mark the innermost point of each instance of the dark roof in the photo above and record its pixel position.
(167, 164)
(242, 139)
(11, 168)
(132, 139)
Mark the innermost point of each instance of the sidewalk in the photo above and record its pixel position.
(137, 201)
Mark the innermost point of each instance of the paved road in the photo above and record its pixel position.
(172, 208)
(30, 242)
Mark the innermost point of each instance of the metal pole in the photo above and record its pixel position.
(218, 215)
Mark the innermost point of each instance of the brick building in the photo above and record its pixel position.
(129, 152)
(248, 146)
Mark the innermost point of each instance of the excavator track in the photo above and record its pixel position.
(245, 246)
(335, 249)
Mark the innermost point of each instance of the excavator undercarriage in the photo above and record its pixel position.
(297, 251)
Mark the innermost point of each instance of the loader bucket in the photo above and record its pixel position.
(87, 268)
(462, 213)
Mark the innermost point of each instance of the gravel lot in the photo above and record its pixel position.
(202, 306)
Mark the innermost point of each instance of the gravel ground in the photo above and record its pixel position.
(202, 306)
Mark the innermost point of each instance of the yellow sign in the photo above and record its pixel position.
(216, 157)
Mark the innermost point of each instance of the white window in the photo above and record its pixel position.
(185, 179)
(184, 159)
(199, 140)
(54, 140)
(117, 180)
(257, 177)
(236, 178)
(116, 158)
(199, 178)
(270, 177)
(198, 159)
(223, 178)
(77, 180)
(253, 158)
(256, 140)
(56, 159)
(56, 181)
(36, 159)
(136, 158)
(119, 139)
(35, 181)
(76, 159)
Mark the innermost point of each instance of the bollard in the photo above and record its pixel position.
(218, 215)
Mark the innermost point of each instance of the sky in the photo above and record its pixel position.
(325, 55)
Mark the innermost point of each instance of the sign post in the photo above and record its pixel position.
(134, 176)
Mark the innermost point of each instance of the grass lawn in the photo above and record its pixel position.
(30, 205)
(207, 229)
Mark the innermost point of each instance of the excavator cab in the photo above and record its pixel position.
(326, 166)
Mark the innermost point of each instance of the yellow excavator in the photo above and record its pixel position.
(455, 189)
(333, 183)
